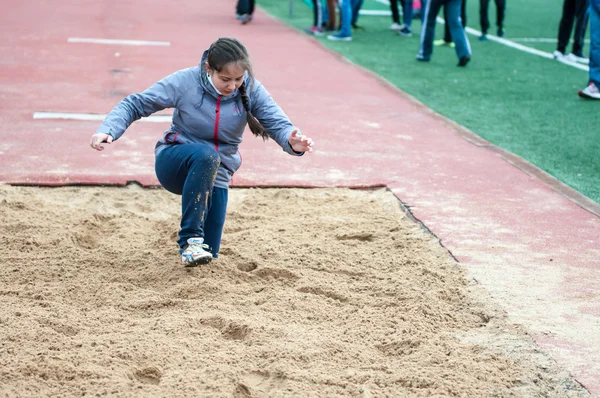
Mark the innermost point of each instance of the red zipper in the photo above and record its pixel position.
(216, 134)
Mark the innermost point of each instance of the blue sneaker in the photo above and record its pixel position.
(339, 37)
(405, 31)
(244, 19)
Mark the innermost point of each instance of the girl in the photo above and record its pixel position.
(198, 154)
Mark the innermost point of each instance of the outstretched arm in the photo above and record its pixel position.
(161, 95)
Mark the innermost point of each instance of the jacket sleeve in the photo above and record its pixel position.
(272, 117)
(161, 95)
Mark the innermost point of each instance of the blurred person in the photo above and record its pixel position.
(447, 40)
(403, 29)
(484, 20)
(245, 11)
(345, 33)
(317, 27)
(356, 6)
(330, 15)
(573, 12)
(459, 37)
(592, 91)
(198, 155)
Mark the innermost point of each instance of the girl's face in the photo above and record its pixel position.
(228, 79)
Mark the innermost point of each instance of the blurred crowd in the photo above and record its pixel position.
(337, 19)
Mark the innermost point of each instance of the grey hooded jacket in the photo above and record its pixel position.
(201, 115)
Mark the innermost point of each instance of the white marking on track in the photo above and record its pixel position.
(94, 117)
(118, 41)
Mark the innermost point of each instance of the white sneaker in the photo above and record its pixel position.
(196, 253)
(591, 92)
(558, 55)
(396, 26)
(574, 58)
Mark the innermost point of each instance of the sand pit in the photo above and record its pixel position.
(317, 293)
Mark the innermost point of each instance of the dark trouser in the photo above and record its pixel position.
(483, 14)
(407, 11)
(573, 10)
(356, 6)
(459, 37)
(594, 46)
(189, 170)
(245, 7)
(317, 13)
(395, 11)
(463, 18)
(331, 14)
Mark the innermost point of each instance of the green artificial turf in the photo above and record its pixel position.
(520, 102)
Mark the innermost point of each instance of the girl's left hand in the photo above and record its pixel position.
(300, 143)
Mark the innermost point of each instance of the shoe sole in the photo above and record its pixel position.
(200, 261)
(586, 96)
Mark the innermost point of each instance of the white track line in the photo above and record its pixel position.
(538, 40)
(378, 13)
(121, 42)
(94, 117)
(526, 49)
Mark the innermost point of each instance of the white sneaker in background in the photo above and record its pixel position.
(396, 26)
(558, 55)
(590, 92)
(575, 58)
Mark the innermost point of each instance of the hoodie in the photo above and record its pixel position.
(201, 115)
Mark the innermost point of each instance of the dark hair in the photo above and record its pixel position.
(225, 51)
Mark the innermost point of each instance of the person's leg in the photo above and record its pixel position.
(189, 170)
(447, 36)
(356, 6)
(463, 18)
(215, 219)
(395, 12)
(346, 13)
(317, 25)
(500, 13)
(422, 11)
(459, 36)
(331, 14)
(566, 25)
(407, 16)
(594, 47)
(484, 21)
(582, 19)
(242, 7)
(428, 29)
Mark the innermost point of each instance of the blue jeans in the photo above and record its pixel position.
(594, 46)
(459, 37)
(407, 12)
(189, 170)
(346, 15)
(356, 6)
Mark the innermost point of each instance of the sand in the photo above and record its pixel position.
(317, 293)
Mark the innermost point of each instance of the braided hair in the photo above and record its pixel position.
(225, 51)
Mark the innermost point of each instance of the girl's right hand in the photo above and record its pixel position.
(98, 139)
